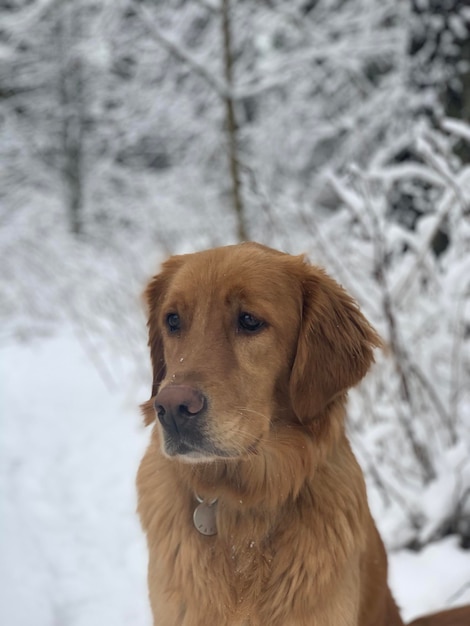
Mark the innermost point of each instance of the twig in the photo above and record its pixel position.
(441, 168)
(94, 356)
(398, 352)
(373, 471)
(455, 363)
(333, 260)
(88, 347)
(274, 225)
(351, 202)
(454, 193)
(179, 52)
(434, 397)
(456, 595)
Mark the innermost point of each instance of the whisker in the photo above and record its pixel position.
(241, 409)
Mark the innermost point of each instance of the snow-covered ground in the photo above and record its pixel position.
(71, 550)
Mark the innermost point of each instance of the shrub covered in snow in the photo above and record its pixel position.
(410, 420)
(129, 123)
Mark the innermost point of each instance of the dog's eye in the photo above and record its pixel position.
(249, 322)
(173, 322)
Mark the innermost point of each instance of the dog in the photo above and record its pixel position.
(253, 504)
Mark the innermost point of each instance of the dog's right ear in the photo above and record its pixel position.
(335, 345)
(153, 297)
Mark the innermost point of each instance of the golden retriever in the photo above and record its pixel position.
(253, 503)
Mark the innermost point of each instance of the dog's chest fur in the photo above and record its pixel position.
(274, 566)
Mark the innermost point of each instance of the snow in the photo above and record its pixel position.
(347, 152)
(432, 579)
(72, 550)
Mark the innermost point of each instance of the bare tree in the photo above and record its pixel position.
(231, 122)
(71, 86)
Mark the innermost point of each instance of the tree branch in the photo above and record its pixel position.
(179, 52)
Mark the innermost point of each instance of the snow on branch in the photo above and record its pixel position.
(454, 194)
(457, 128)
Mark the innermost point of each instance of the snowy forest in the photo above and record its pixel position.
(134, 129)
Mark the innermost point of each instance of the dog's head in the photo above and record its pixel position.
(244, 338)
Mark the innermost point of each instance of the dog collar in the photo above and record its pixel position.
(204, 516)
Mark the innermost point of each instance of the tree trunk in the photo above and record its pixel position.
(72, 112)
(232, 128)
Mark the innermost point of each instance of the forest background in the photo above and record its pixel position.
(130, 130)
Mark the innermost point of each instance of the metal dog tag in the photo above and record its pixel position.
(204, 518)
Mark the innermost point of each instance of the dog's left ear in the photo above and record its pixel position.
(153, 297)
(335, 345)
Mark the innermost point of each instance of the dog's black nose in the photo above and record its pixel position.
(176, 405)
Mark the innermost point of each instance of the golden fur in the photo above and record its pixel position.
(296, 544)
